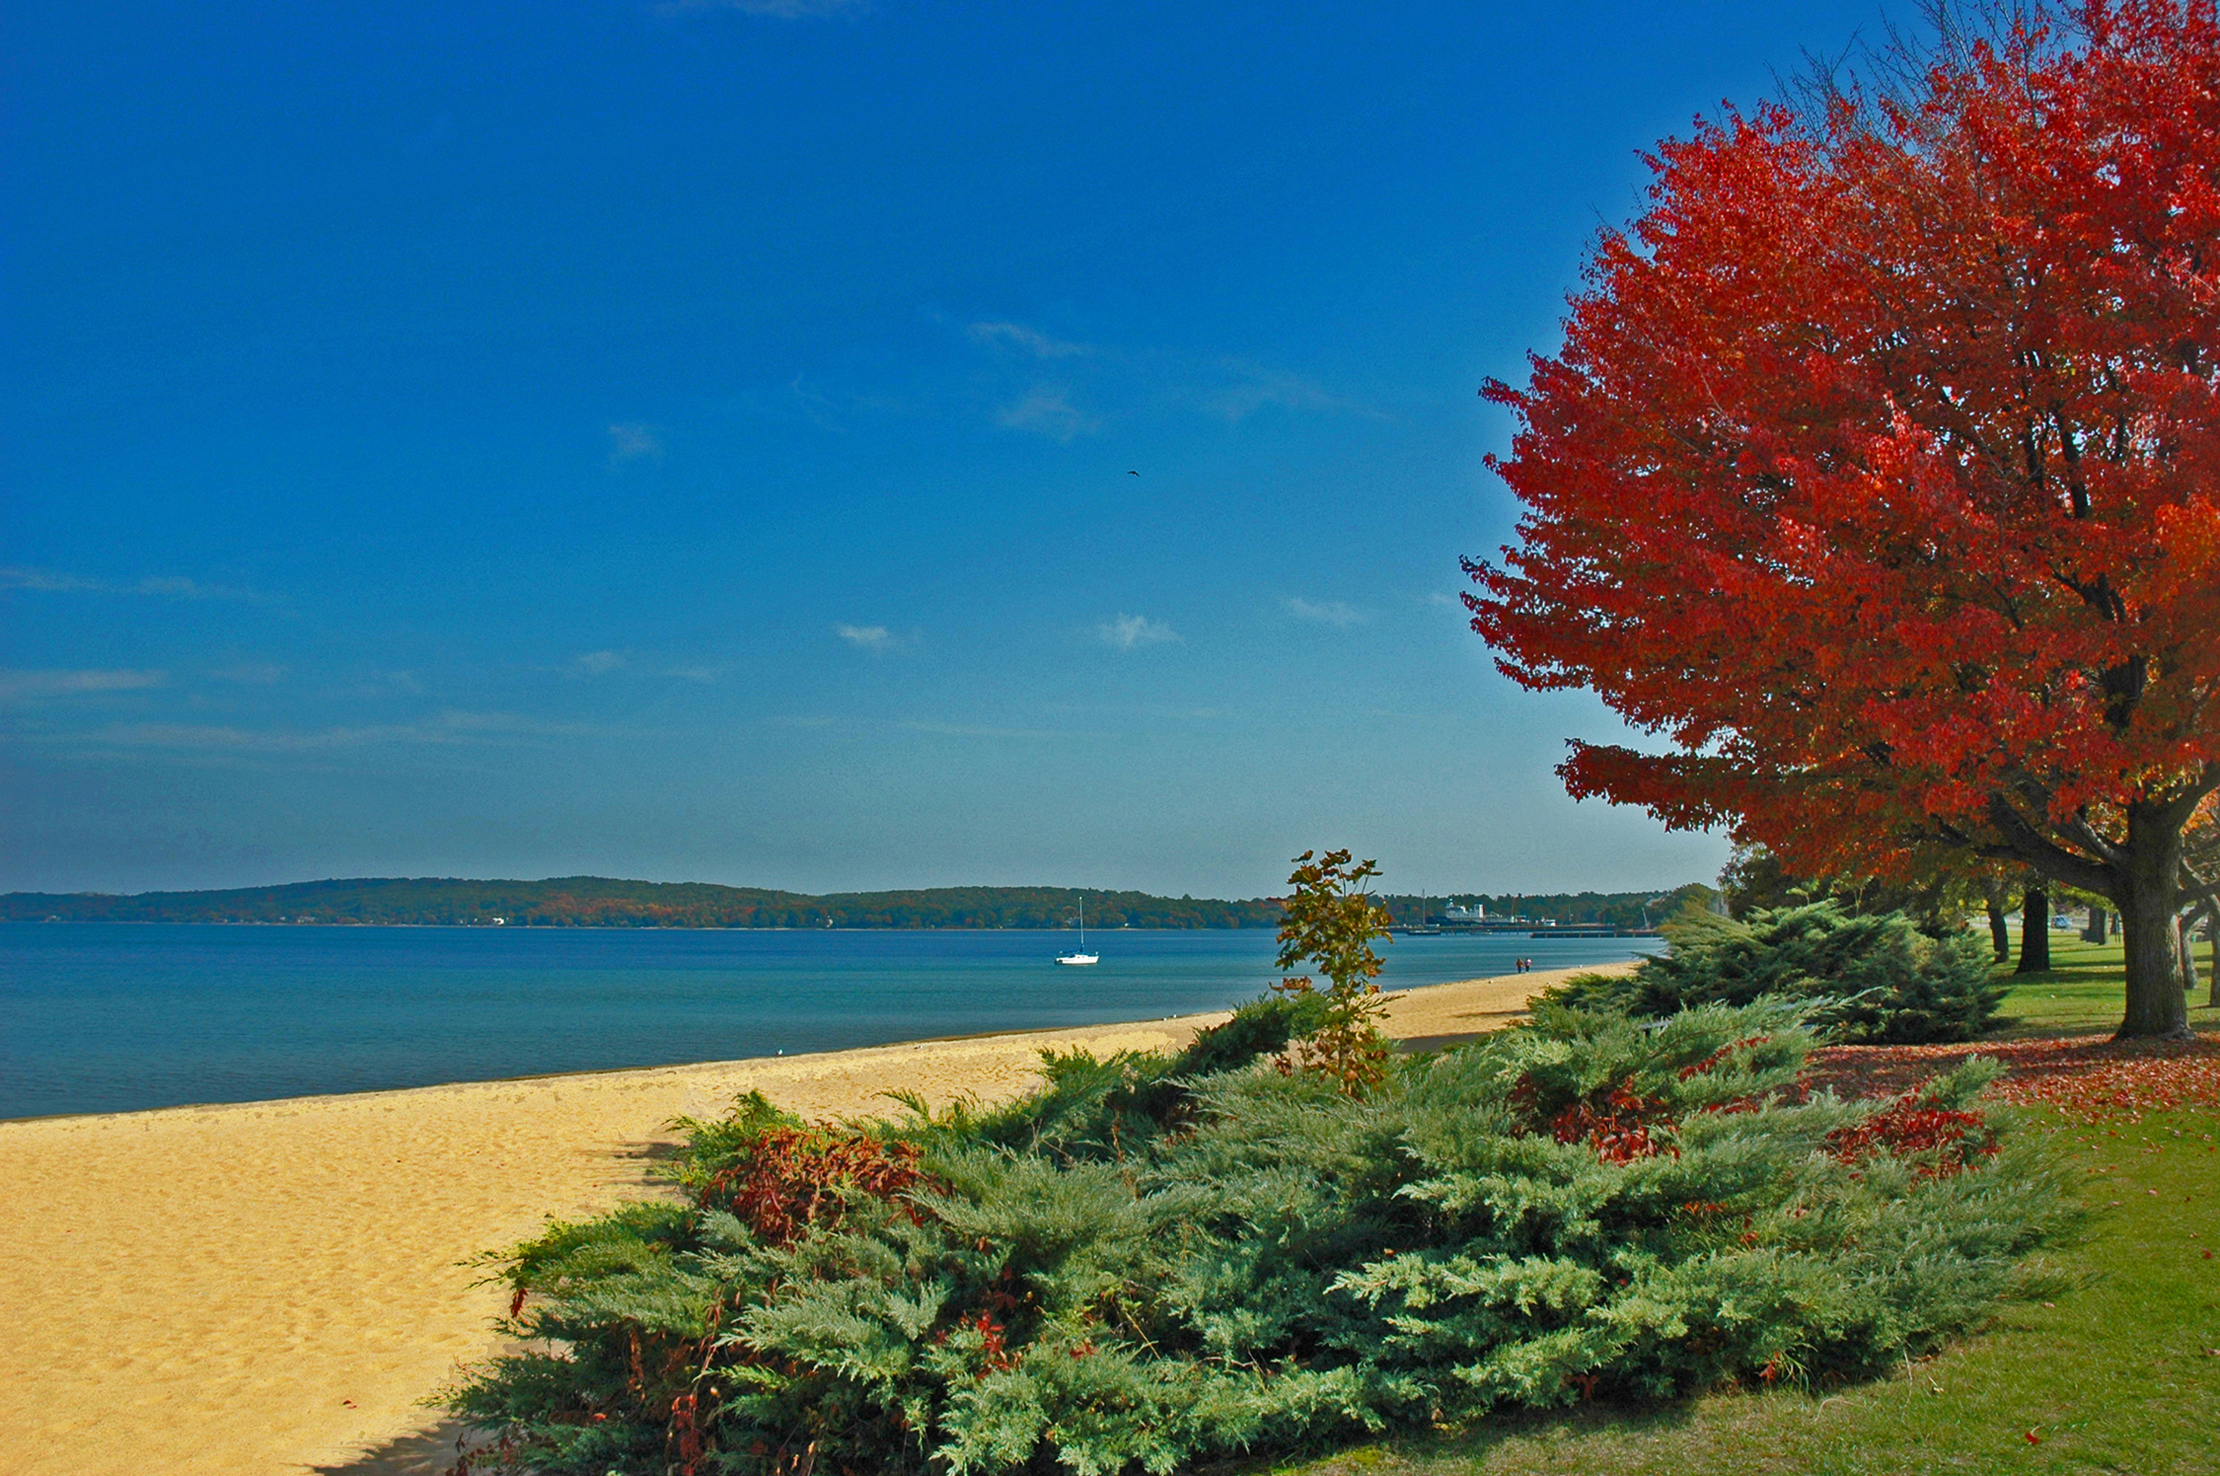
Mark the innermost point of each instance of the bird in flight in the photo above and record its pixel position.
(1132, 474)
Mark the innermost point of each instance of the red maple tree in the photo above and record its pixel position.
(1880, 472)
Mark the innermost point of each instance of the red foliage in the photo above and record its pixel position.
(1703, 1067)
(796, 1179)
(1910, 1126)
(994, 1344)
(1626, 1126)
(684, 1409)
(1618, 1129)
(2087, 1078)
(1877, 471)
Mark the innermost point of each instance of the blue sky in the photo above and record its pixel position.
(699, 441)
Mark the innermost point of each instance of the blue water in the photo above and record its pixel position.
(115, 1017)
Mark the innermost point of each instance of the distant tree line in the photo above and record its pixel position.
(1603, 909)
(600, 902)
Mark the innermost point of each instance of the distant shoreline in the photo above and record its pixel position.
(596, 901)
(614, 927)
(610, 902)
(1571, 930)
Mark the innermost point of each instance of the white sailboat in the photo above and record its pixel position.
(1080, 955)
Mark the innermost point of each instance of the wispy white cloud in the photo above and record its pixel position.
(54, 581)
(1128, 631)
(819, 409)
(1031, 340)
(776, 9)
(818, 722)
(448, 728)
(595, 663)
(1136, 380)
(34, 686)
(1326, 612)
(1252, 387)
(251, 674)
(1442, 601)
(869, 637)
(385, 684)
(1047, 410)
(634, 440)
(1150, 710)
(703, 674)
(964, 730)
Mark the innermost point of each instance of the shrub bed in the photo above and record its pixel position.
(1145, 1263)
(1875, 978)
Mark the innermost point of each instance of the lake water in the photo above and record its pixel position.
(115, 1017)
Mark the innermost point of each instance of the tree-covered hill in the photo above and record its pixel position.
(591, 901)
(603, 902)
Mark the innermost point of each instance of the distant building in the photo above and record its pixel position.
(1474, 913)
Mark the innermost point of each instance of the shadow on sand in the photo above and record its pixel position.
(1412, 1045)
(437, 1449)
(430, 1452)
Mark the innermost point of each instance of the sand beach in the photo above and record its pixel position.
(274, 1287)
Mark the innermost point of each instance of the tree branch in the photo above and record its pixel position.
(2046, 855)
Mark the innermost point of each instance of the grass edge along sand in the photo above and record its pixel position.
(2108, 1364)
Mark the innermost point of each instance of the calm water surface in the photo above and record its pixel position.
(115, 1017)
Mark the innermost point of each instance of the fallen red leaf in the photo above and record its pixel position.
(2089, 1078)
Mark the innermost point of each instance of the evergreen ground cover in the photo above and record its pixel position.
(2112, 1370)
(1158, 1261)
(1874, 977)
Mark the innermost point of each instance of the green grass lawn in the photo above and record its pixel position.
(2106, 1365)
(2083, 992)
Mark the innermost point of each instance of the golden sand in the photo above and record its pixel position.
(274, 1287)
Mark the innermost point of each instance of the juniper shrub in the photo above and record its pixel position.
(1143, 1264)
(1878, 977)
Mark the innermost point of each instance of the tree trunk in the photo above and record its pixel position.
(2209, 917)
(2212, 962)
(2154, 1000)
(2096, 932)
(2034, 932)
(2204, 915)
(2147, 884)
(2188, 953)
(2000, 932)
